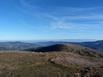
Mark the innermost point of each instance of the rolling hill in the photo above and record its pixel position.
(49, 64)
(97, 45)
(69, 48)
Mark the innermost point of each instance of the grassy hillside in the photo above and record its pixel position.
(53, 64)
(81, 50)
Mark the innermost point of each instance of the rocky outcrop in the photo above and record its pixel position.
(88, 72)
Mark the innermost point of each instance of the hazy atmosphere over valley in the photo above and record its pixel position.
(51, 38)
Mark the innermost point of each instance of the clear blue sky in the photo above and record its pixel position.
(51, 19)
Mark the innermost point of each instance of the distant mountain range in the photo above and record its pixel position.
(96, 45)
(17, 45)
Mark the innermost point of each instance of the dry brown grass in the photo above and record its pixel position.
(33, 64)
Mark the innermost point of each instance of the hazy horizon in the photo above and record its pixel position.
(51, 19)
(52, 40)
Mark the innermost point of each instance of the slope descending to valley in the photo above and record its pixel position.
(45, 64)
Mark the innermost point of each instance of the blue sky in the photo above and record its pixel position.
(51, 19)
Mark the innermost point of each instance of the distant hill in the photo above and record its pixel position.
(69, 48)
(17, 45)
(97, 45)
